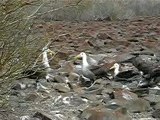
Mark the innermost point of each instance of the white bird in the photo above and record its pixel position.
(50, 73)
(126, 73)
(86, 66)
(116, 68)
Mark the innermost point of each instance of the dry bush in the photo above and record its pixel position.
(18, 47)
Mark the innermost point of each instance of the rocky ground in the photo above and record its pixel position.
(133, 42)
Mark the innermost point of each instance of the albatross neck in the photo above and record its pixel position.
(45, 60)
(116, 71)
(84, 61)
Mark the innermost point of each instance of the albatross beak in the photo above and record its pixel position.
(113, 67)
(77, 57)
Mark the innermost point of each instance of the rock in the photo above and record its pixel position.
(132, 105)
(156, 113)
(61, 87)
(125, 57)
(144, 52)
(125, 94)
(26, 117)
(117, 102)
(90, 97)
(100, 43)
(157, 105)
(137, 105)
(84, 81)
(59, 79)
(133, 40)
(100, 113)
(145, 63)
(19, 86)
(61, 55)
(141, 91)
(129, 75)
(31, 97)
(42, 116)
(152, 98)
(103, 36)
(84, 34)
(116, 84)
(147, 119)
(78, 90)
(73, 77)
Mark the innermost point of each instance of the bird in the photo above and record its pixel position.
(124, 73)
(116, 68)
(50, 73)
(85, 67)
(35, 73)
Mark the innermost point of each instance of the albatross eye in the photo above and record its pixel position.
(81, 54)
(116, 65)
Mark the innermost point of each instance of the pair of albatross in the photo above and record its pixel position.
(92, 68)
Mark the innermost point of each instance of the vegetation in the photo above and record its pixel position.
(17, 45)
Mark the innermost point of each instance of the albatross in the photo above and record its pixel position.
(34, 73)
(50, 73)
(123, 73)
(86, 72)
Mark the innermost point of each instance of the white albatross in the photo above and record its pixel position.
(49, 71)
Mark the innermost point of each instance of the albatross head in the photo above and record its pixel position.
(81, 55)
(84, 59)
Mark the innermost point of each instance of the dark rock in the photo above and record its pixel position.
(156, 113)
(85, 81)
(133, 40)
(138, 105)
(143, 83)
(129, 75)
(42, 116)
(143, 53)
(31, 97)
(152, 98)
(157, 105)
(61, 87)
(103, 36)
(141, 91)
(145, 63)
(19, 86)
